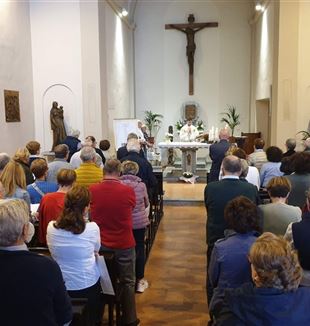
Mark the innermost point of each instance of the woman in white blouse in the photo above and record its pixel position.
(74, 243)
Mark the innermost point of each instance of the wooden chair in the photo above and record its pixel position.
(113, 301)
(44, 251)
(78, 304)
(264, 196)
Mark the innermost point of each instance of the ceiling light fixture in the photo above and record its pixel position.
(259, 7)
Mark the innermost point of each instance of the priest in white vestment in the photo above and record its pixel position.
(188, 132)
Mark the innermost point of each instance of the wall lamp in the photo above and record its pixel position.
(259, 7)
(124, 12)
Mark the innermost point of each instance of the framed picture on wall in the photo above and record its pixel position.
(11, 104)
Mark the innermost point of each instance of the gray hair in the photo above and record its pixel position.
(232, 165)
(290, 143)
(4, 160)
(307, 143)
(133, 145)
(75, 133)
(132, 135)
(244, 168)
(87, 154)
(14, 214)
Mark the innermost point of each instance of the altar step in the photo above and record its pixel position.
(173, 174)
(201, 163)
(178, 194)
(183, 202)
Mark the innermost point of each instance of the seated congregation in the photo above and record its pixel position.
(257, 256)
(90, 206)
(87, 207)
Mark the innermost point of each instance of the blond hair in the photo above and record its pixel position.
(275, 263)
(14, 214)
(129, 167)
(13, 176)
(22, 154)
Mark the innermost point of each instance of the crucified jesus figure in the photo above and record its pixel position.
(190, 30)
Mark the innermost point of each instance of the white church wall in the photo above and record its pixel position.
(16, 73)
(282, 60)
(264, 43)
(57, 74)
(303, 95)
(222, 60)
(92, 107)
(118, 53)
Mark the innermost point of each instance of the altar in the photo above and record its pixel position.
(189, 150)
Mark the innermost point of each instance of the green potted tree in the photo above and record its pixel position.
(152, 122)
(232, 118)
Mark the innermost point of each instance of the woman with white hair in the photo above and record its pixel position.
(31, 284)
(139, 218)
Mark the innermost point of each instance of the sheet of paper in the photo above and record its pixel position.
(105, 279)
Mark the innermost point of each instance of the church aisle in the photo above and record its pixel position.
(176, 271)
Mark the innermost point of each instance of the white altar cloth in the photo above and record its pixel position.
(189, 150)
(183, 144)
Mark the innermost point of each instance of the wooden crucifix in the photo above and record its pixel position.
(190, 29)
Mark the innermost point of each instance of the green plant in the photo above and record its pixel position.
(152, 122)
(200, 126)
(305, 134)
(231, 118)
(180, 124)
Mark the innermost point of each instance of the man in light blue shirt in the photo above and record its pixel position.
(60, 162)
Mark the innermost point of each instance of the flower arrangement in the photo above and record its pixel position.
(187, 175)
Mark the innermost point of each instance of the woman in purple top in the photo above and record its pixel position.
(139, 217)
(229, 266)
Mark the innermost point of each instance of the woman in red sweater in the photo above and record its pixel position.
(52, 203)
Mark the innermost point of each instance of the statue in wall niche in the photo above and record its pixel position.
(57, 124)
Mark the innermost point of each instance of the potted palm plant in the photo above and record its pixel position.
(152, 122)
(305, 134)
(231, 117)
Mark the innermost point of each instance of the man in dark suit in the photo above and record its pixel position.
(290, 145)
(217, 153)
(122, 151)
(217, 195)
(145, 168)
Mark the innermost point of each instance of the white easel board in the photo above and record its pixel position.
(122, 127)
